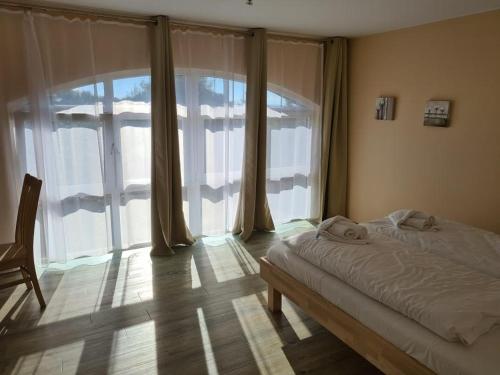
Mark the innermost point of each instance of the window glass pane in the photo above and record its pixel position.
(180, 89)
(131, 149)
(87, 94)
(293, 139)
(180, 95)
(79, 149)
(79, 137)
(86, 223)
(238, 93)
(212, 93)
(79, 165)
(211, 140)
(132, 117)
(136, 89)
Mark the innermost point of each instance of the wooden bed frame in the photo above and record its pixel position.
(377, 350)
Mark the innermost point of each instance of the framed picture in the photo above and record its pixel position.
(384, 108)
(437, 113)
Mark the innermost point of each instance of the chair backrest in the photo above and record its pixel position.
(26, 214)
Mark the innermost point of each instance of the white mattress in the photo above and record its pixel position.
(443, 357)
(473, 247)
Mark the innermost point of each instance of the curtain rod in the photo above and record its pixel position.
(177, 24)
(188, 25)
(75, 12)
(295, 38)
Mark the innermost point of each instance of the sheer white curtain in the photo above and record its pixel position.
(294, 75)
(82, 125)
(210, 91)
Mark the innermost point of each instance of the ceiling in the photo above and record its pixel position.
(312, 17)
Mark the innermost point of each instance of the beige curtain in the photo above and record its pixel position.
(167, 223)
(253, 210)
(334, 133)
(13, 85)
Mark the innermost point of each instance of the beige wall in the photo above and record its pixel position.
(452, 172)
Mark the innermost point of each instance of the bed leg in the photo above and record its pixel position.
(273, 299)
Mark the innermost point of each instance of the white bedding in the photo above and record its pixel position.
(454, 301)
(443, 357)
(473, 247)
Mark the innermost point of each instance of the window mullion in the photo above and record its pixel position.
(196, 158)
(110, 171)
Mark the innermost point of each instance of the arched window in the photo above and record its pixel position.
(211, 119)
(82, 125)
(211, 98)
(100, 144)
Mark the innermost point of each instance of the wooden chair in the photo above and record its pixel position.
(18, 256)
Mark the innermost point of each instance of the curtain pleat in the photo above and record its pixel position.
(334, 133)
(253, 210)
(167, 219)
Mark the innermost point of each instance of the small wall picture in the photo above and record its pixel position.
(384, 108)
(437, 113)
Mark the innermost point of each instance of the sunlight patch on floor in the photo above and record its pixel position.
(50, 361)
(295, 321)
(139, 342)
(71, 298)
(195, 276)
(122, 296)
(108, 287)
(207, 345)
(231, 261)
(13, 299)
(262, 338)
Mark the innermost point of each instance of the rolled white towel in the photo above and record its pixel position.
(342, 229)
(400, 216)
(413, 220)
(419, 224)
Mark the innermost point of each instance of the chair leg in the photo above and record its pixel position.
(36, 285)
(26, 277)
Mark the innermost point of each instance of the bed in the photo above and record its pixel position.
(388, 339)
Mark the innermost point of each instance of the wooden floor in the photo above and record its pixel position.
(199, 312)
